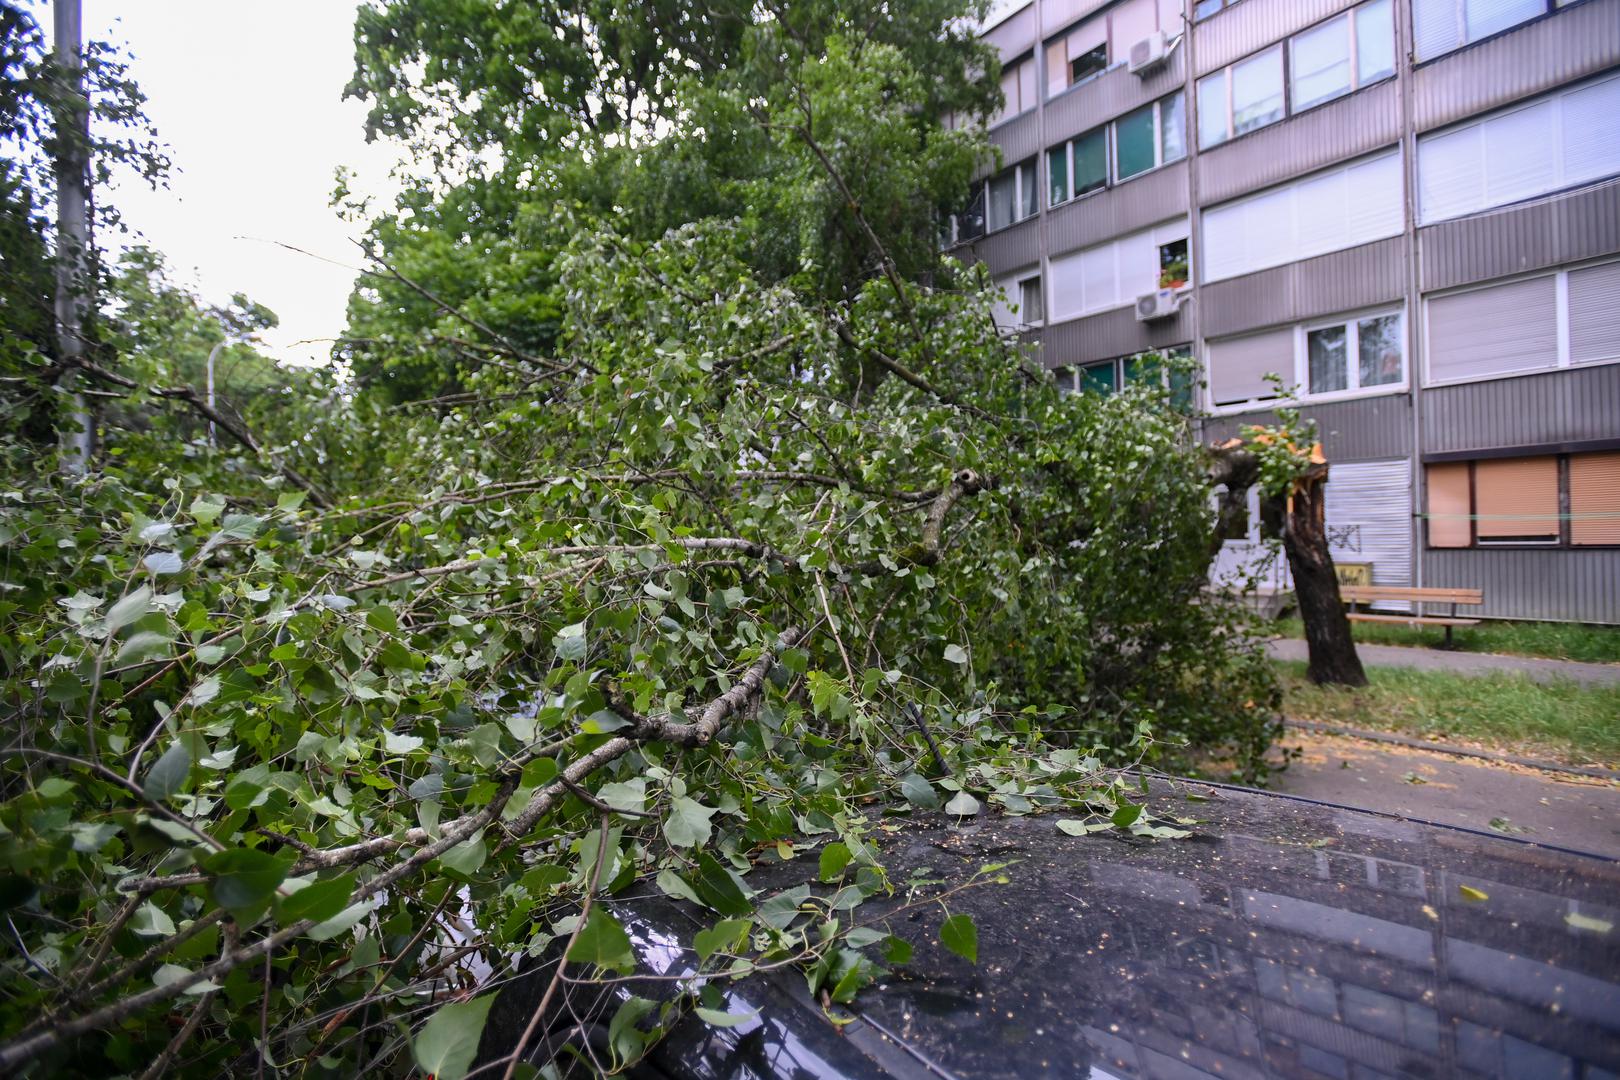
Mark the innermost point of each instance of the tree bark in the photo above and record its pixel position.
(1333, 657)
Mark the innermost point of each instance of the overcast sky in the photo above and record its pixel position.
(248, 96)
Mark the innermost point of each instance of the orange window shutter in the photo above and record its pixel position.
(1516, 499)
(1594, 498)
(1449, 509)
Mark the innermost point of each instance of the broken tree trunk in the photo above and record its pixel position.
(1333, 657)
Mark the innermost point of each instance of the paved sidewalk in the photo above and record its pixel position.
(1463, 663)
(1548, 808)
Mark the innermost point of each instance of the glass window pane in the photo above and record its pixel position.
(1088, 64)
(1098, 377)
(1380, 349)
(1026, 189)
(1057, 174)
(1257, 92)
(1030, 296)
(1212, 128)
(1375, 42)
(1091, 161)
(1003, 190)
(1325, 349)
(970, 222)
(1173, 128)
(1322, 63)
(1134, 142)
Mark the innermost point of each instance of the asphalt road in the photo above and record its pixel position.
(1550, 808)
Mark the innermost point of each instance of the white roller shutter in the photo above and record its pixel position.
(1369, 517)
(1591, 126)
(1594, 313)
(1238, 366)
(1436, 27)
(1451, 173)
(1494, 331)
(1521, 154)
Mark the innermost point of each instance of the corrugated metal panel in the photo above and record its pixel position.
(1110, 94)
(1531, 410)
(1343, 129)
(1010, 248)
(1146, 200)
(1340, 281)
(1578, 41)
(1361, 430)
(1111, 334)
(1254, 24)
(1565, 228)
(1530, 583)
(1013, 35)
(1018, 138)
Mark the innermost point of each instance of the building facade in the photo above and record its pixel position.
(1408, 210)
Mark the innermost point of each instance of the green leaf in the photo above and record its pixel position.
(834, 857)
(141, 646)
(131, 607)
(624, 795)
(688, 823)
(244, 878)
(962, 805)
(150, 920)
(955, 654)
(320, 900)
(718, 888)
(602, 942)
(400, 744)
(959, 934)
(342, 921)
(1076, 827)
(447, 1043)
(896, 950)
(210, 654)
(918, 791)
(570, 642)
(168, 773)
(723, 936)
(466, 857)
(1126, 815)
(717, 1018)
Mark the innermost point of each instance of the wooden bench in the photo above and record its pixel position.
(1372, 594)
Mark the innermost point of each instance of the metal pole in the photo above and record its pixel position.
(72, 226)
(212, 355)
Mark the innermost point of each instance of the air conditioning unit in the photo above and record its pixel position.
(1159, 304)
(1149, 54)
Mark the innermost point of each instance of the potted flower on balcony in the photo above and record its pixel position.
(1174, 273)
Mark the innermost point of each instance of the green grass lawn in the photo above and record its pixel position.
(1563, 720)
(1560, 641)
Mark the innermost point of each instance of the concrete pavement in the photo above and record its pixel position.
(1463, 663)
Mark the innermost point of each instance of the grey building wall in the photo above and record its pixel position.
(1548, 409)
(1113, 93)
(1565, 228)
(1365, 429)
(1326, 285)
(1563, 47)
(1527, 583)
(1111, 334)
(1103, 215)
(1255, 24)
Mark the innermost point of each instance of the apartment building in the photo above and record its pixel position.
(1409, 210)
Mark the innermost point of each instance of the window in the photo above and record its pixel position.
(1343, 356)
(1203, 9)
(1110, 275)
(1152, 368)
(1564, 139)
(1017, 89)
(1030, 300)
(1516, 501)
(1355, 355)
(1077, 55)
(1174, 264)
(1327, 61)
(1439, 26)
(1151, 136)
(1341, 55)
(1076, 167)
(1559, 319)
(1327, 211)
(1011, 195)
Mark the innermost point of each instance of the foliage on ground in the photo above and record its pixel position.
(1555, 640)
(1566, 720)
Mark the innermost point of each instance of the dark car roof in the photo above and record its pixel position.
(1284, 939)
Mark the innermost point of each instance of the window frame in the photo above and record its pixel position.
(1023, 283)
(1068, 146)
(1564, 541)
(1110, 144)
(1069, 376)
(1350, 322)
(1029, 168)
(1285, 47)
(1561, 323)
(1459, 10)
